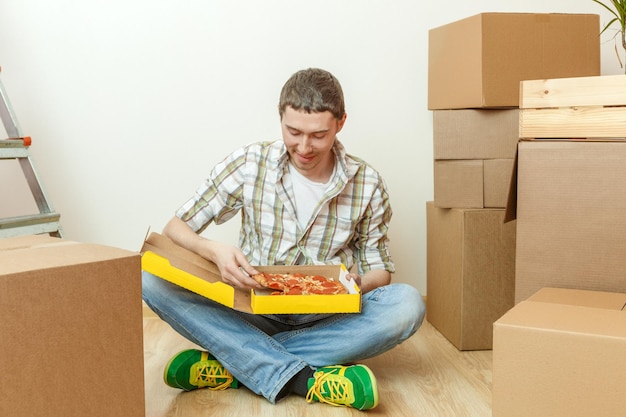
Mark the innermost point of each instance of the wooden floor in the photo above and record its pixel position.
(425, 376)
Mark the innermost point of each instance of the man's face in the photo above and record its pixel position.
(309, 138)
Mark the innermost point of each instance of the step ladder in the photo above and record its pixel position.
(16, 146)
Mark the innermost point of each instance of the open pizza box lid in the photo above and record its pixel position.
(166, 260)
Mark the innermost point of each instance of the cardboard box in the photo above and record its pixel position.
(570, 214)
(561, 354)
(72, 329)
(473, 183)
(458, 183)
(497, 178)
(479, 61)
(168, 261)
(475, 134)
(470, 273)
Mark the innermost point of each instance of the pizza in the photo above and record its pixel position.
(299, 284)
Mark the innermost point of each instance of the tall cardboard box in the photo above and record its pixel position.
(571, 216)
(479, 61)
(561, 354)
(72, 329)
(470, 273)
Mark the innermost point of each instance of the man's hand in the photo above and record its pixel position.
(232, 263)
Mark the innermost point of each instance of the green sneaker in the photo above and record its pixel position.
(352, 386)
(192, 369)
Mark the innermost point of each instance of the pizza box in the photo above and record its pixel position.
(265, 303)
(166, 260)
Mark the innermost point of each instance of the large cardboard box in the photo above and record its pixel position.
(479, 61)
(561, 354)
(470, 273)
(472, 183)
(166, 260)
(571, 221)
(72, 329)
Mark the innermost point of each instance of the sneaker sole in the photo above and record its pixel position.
(172, 382)
(374, 386)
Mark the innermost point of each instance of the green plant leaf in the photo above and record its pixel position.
(608, 25)
(608, 8)
(618, 10)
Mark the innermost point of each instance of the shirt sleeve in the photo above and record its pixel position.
(219, 197)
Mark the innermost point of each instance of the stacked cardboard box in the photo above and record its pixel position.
(474, 71)
(473, 151)
(559, 351)
(475, 68)
(478, 62)
(571, 193)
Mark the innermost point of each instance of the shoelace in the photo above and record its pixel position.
(207, 373)
(331, 388)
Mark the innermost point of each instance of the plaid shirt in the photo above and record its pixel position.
(349, 225)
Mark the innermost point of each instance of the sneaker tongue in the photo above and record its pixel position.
(338, 389)
(330, 386)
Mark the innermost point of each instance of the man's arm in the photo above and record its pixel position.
(372, 279)
(229, 259)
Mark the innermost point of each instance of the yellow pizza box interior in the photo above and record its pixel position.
(166, 260)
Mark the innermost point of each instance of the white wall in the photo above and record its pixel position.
(130, 102)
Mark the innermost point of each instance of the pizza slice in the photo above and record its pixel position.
(271, 281)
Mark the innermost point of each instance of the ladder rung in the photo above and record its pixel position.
(12, 153)
(29, 224)
(15, 142)
(14, 148)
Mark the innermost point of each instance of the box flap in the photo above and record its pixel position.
(510, 212)
(570, 311)
(566, 319)
(583, 298)
(24, 242)
(41, 252)
(165, 259)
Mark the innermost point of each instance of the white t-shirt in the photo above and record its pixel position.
(307, 194)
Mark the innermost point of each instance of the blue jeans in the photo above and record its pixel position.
(265, 351)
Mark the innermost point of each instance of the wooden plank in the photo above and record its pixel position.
(575, 122)
(607, 90)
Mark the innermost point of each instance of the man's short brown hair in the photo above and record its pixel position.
(313, 90)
